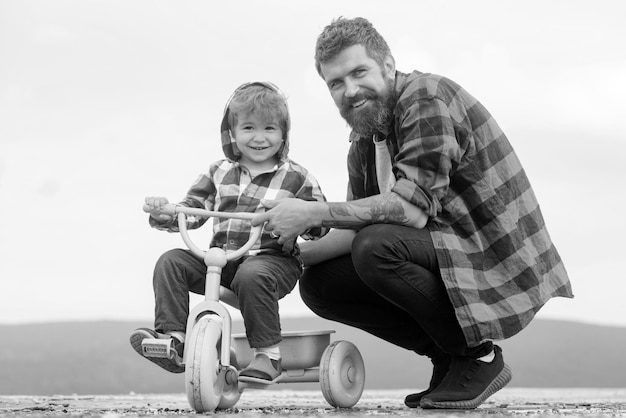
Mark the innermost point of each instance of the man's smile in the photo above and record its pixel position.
(359, 103)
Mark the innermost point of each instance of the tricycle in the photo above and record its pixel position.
(213, 356)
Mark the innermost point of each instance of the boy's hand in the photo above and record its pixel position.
(154, 205)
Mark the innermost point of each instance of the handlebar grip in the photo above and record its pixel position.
(168, 209)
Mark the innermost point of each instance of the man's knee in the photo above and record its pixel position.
(367, 242)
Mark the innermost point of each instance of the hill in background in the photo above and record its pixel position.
(96, 358)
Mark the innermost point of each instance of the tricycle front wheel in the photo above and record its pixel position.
(342, 374)
(205, 379)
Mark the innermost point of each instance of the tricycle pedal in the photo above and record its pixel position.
(160, 348)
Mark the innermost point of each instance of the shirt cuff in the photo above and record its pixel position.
(414, 194)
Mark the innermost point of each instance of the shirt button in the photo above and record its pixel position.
(232, 241)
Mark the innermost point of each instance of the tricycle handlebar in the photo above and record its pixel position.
(173, 210)
(182, 212)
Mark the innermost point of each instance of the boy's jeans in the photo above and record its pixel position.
(259, 282)
(390, 286)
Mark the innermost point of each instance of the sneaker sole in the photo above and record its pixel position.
(135, 341)
(501, 380)
(414, 403)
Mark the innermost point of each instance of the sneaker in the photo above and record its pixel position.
(469, 383)
(173, 363)
(440, 370)
(261, 369)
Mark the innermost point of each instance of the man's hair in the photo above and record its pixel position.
(261, 100)
(343, 33)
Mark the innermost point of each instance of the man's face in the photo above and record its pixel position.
(361, 88)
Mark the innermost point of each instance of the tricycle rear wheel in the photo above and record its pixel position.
(342, 374)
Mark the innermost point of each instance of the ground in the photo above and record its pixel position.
(508, 402)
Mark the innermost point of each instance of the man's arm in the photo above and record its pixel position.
(383, 208)
(291, 217)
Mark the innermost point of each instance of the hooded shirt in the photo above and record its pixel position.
(228, 186)
(229, 145)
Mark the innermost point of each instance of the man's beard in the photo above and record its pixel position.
(373, 118)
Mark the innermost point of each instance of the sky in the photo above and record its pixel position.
(105, 102)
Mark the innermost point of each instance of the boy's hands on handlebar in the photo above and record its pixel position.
(154, 205)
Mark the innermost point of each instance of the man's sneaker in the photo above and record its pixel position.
(469, 383)
(262, 370)
(440, 370)
(172, 344)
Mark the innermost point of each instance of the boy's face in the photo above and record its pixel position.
(259, 141)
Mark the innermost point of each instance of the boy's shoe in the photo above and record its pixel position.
(440, 370)
(469, 383)
(262, 370)
(173, 362)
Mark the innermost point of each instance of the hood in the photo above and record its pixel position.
(231, 151)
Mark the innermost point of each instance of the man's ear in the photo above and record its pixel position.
(389, 65)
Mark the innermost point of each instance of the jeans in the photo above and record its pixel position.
(390, 286)
(258, 281)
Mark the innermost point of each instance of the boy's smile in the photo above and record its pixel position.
(259, 140)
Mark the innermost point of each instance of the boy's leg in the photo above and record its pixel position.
(260, 281)
(177, 272)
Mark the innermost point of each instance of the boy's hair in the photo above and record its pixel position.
(343, 33)
(262, 99)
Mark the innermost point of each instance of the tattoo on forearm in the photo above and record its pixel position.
(378, 209)
(388, 209)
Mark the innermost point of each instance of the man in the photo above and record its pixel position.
(441, 247)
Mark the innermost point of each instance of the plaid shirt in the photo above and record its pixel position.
(228, 187)
(451, 159)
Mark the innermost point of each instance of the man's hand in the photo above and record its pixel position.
(289, 218)
(286, 218)
(154, 205)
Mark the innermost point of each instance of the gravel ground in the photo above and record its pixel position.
(508, 402)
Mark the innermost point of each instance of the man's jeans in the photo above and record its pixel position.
(390, 286)
(258, 281)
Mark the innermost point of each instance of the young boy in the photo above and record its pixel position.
(254, 130)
